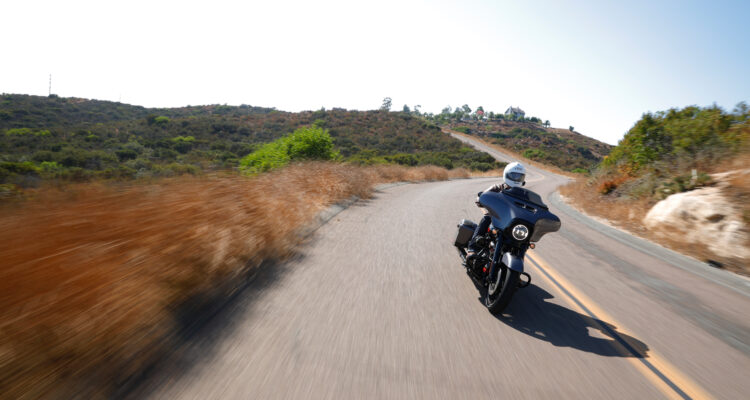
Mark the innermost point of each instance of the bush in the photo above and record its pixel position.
(161, 120)
(691, 134)
(313, 143)
(126, 154)
(308, 143)
(534, 154)
(43, 155)
(18, 132)
(21, 168)
(183, 144)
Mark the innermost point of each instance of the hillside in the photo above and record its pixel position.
(563, 148)
(690, 166)
(73, 139)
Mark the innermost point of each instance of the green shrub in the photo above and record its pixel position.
(270, 156)
(126, 154)
(183, 144)
(26, 132)
(312, 143)
(43, 155)
(403, 159)
(18, 132)
(691, 134)
(161, 120)
(21, 168)
(481, 166)
(534, 154)
(307, 143)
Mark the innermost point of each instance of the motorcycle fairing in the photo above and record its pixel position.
(508, 210)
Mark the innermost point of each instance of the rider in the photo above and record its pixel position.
(514, 175)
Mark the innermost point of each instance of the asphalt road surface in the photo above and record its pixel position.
(377, 306)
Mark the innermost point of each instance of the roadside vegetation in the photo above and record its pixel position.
(669, 152)
(51, 139)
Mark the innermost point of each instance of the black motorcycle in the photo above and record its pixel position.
(519, 220)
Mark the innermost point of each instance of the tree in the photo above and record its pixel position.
(466, 109)
(416, 109)
(446, 110)
(386, 104)
(571, 128)
(406, 109)
(546, 124)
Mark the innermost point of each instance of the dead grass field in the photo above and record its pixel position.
(91, 275)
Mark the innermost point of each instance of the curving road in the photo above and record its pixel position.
(378, 306)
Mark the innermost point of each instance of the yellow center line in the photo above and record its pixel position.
(662, 374)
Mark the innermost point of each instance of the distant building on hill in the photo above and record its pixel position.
(515, 111)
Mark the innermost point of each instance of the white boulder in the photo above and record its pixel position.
(701, 216)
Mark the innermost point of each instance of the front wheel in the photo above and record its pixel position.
(501, 290)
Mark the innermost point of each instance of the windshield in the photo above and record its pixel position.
(526, 195)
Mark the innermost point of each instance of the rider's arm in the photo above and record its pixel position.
(493, 188)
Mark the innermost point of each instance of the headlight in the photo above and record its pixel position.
(520, 232)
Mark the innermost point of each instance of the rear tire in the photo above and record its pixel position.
(500, 292)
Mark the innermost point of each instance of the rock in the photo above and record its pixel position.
(702, 215)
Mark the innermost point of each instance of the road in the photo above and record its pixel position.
(377, 306)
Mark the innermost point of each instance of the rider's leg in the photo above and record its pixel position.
(481, 229)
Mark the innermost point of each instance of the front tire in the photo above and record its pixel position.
(501, 290)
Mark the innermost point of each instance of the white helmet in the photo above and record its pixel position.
(514, 174)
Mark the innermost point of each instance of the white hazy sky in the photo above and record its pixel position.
(594, 65)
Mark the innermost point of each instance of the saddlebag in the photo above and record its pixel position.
(465, 232)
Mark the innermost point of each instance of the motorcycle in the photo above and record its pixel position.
(519, 220)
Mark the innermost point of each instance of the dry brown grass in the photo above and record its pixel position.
(91, 275)
(628, 214)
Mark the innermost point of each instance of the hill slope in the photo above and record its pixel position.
(78, 139)
(565, 149)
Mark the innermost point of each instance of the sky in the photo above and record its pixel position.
(594, 65)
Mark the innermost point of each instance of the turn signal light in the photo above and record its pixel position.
(532, 246)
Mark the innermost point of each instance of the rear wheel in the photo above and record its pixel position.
(500, 291)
